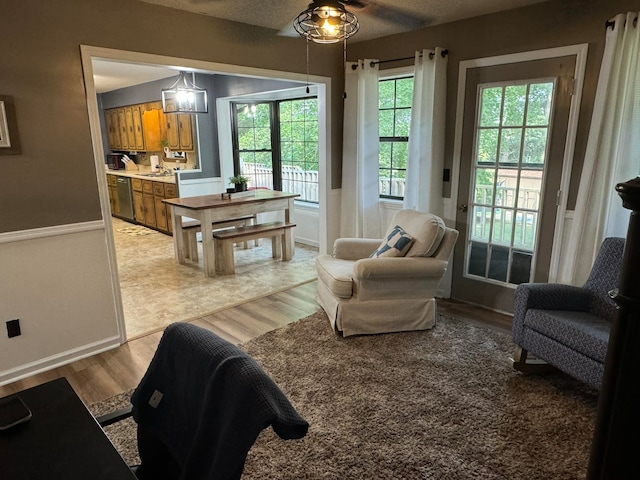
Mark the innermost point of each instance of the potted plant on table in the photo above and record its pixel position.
(240, 182)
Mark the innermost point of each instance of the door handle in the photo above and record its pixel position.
(463, 208)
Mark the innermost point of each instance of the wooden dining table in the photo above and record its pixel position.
(219, 207)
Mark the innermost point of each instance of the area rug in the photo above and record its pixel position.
(135, 231)
(438, 404)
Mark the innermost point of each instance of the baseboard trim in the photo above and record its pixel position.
(58, 360)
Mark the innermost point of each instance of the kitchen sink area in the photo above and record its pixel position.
(157, 174)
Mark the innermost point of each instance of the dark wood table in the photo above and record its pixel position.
(61, 441)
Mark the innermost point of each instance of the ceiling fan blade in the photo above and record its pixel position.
(288, 31)
(387, 13)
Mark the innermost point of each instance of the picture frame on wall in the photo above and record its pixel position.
(9, 140)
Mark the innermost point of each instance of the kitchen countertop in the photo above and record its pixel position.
(143, 173)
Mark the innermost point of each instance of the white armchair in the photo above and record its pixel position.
(363, 295)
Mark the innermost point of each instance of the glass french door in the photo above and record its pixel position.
(513, 142)
(512, 136)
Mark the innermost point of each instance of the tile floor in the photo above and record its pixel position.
(156, 290)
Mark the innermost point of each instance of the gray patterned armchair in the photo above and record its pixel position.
(568, 326)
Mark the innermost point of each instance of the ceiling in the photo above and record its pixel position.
(110, 75)
(376, 18)
(279, 14)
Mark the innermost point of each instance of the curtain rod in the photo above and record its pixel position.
(612, 23)
(444, 53)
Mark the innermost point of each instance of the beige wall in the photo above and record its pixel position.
(53, 181)
(545, 25)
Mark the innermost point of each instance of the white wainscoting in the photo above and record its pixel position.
(307, 220)
(57, 282)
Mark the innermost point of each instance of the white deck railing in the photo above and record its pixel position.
(304, 182)
(294, 180)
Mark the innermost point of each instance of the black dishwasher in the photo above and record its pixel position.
(125, 199)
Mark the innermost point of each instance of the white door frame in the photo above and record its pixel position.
(324, 136)
(580, 52)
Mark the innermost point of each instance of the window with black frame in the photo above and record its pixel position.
(395, 97)
(276, 145)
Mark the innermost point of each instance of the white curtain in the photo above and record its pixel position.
(613, 149)
(360, 216)
(423, 191)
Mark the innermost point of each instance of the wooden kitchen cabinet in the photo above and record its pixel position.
(122, 128)
(152, 125)
(179, 131)
(128, 118)
(148, 202)
(138, 204)
(114, 201)
(143, 204)
(161, 191)
(113, 129)
(138, 134)
(148, 206)
(161, 214)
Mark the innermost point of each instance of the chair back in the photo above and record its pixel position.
(201, 405)
(446, 245)
(604, 277)
(427, 230)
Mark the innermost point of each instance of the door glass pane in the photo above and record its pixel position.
(515, 98)
(502, 226)
(478, 259)
(525, 231)
(530, 189)
(506, 187)
(539, 108)
(481, 223)
(487, 151)
(506, 197)
(491, 107)
(535, 146)
(484, 185)
(510, 140)
(499, 263)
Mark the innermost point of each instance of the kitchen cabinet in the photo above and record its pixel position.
(163, 212)
(153, 122)
(150, 219)
(148, 206)
(179, 131)
(113, 129)
(143, 204)
(138, 205)
(137, 142)
(112, 184)
(122, 129)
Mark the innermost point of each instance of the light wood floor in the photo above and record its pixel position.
(104, 375)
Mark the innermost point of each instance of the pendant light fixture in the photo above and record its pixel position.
(184, 96)
(326, 21)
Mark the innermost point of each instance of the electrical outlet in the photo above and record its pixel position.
(13, 328)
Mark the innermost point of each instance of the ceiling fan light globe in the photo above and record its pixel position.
(322, 23)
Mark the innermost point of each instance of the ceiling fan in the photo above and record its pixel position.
(360, 10)
(329, 21)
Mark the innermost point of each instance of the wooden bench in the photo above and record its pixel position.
(279, 232)
(190, 230)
